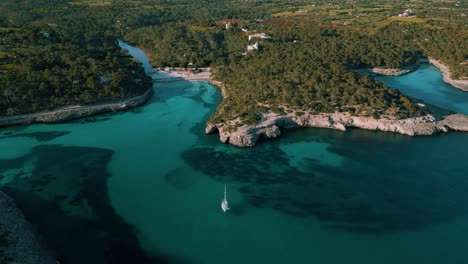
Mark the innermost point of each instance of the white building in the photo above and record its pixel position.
(252, 47)
(259, 35)
(407, 13)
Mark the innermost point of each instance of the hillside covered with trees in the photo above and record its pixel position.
(56, 53)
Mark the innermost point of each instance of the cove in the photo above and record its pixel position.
(150, 180)
(426, 83)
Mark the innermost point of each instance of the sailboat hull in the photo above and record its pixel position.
(224, 205)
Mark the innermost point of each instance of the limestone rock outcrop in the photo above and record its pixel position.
(398, 71)
(70, 113)
(248, 135)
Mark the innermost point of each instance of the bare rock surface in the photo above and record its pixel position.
(268, 127)
(398, 71)
(69, 113)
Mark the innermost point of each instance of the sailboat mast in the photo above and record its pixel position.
(225, 192)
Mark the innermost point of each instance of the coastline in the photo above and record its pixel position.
(398, 71)
(180, 74)
(269, 127)
(74, 112)
(440, 122)
(71, 112)
(460, 84)
(21, 243)
(247, 135)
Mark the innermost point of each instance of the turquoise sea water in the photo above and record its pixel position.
(426, 83)
(145, 186)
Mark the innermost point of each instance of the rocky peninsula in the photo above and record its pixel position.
(440, 120)
(269, 126)
(19, 242)
(74, 112)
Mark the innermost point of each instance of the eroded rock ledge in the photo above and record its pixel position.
(248, 135)
(69, 113)
(20, 242)
(398, 71)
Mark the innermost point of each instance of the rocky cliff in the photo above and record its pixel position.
(19, 243)
(69, 113)
(398, 71)
(248, 135)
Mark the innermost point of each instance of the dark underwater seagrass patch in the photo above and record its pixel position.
(370, 192)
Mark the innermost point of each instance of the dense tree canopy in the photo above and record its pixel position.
(56, 53)
(51, 60)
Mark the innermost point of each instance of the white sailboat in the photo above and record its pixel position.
(224, 203)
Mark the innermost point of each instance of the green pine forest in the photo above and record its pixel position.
(57, 53)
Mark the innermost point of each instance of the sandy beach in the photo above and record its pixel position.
(181, 74)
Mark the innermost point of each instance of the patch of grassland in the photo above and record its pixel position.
(92, 2)
(5, 29)
(288, 14)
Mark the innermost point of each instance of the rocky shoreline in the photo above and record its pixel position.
(69, 113)
(460, 84)
(398, 71)
(19, 242)
(269, 127)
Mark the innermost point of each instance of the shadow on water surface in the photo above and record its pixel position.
(385, 183)
(13, 129)
(39, 136)
(93, 119)
(64, 194)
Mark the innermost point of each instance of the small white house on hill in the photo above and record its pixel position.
(252, 47)
(259, 35)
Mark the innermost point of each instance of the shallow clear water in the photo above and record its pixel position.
(426, 83)
(103, 188)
